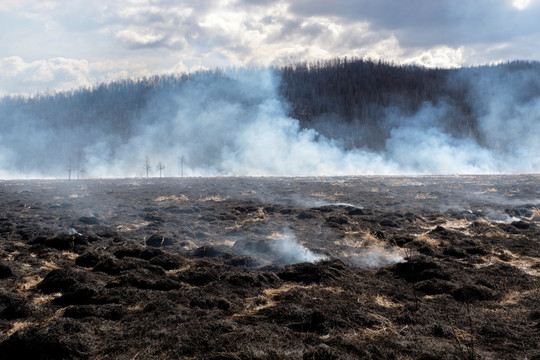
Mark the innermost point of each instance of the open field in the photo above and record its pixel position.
(431, 267)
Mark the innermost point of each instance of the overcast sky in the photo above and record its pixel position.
(64, 44)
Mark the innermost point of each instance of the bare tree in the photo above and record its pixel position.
(69, 167)
(78, 164)
(147, 166)
(160, 168)
(181, 159)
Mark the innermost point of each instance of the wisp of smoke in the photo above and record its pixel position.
(375, 257)
(497, 215)
(290, 251)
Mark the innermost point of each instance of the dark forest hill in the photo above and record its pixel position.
(325, 95)
(357, 102)
(350, 99)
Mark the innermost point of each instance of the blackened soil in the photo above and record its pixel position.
(271, 268)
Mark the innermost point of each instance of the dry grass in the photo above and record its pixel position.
(259, 215)
(136, 307)
(425, 196)
(382, 330)
(368, 247)
(323, 196)
(11, 256)
(424, 237)
(277, 235)
(494, 233)
(370, 239)
(176, 271)
(44, 299)
(459, 225)
(267, 299)
(132, 226)
(514, 297)
(172, 198)
(351, 240)
(383, 301)
(16, 326)
(434, 297)
(48, 265)
(461, 334)
(528, 264)
(535, 215)
(216, 198)
(70, 255)
(511, 298)
(29, 282)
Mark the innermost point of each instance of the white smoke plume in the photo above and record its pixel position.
(236, 124)
(497, 215)
(290, 251)
(231, 126)
(375, 256)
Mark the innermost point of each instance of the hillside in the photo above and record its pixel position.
(354, 104)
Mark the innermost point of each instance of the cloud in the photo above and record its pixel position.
(439, 57)
(523, 4)
(432, 23)
(157, 34)
(18, 76)
(135, 39)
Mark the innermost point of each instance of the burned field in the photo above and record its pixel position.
(271, 268)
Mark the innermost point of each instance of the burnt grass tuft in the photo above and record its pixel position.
(152, 277)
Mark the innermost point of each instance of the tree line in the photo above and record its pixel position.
(349, 100)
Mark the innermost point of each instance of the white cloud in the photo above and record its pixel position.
(153, 36)
(134, 38)
(439, 57)
(523, 4)
(18, 76)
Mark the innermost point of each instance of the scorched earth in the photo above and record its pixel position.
(428, 267)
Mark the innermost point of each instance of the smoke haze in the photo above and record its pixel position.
(290, 251)
(237, 124)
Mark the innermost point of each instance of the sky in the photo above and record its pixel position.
(55, 45)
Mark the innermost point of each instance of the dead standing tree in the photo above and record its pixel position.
(181, 159)
(69, 167)
(78, 164)
(147, 166)
(160, 168)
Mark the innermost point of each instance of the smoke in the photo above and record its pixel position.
(375, 256)
(236, 124)
(497, 215)
(233, 125)
(280, 248)
(284, 248)
(290, 251)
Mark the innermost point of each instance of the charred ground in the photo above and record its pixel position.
(415, 267)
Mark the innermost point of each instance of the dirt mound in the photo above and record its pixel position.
(308, 273)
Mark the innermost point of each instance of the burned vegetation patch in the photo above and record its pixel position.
(269, 268)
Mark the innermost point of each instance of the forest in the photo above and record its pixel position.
(354, 103)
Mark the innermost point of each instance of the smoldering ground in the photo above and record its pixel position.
(160, 268)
